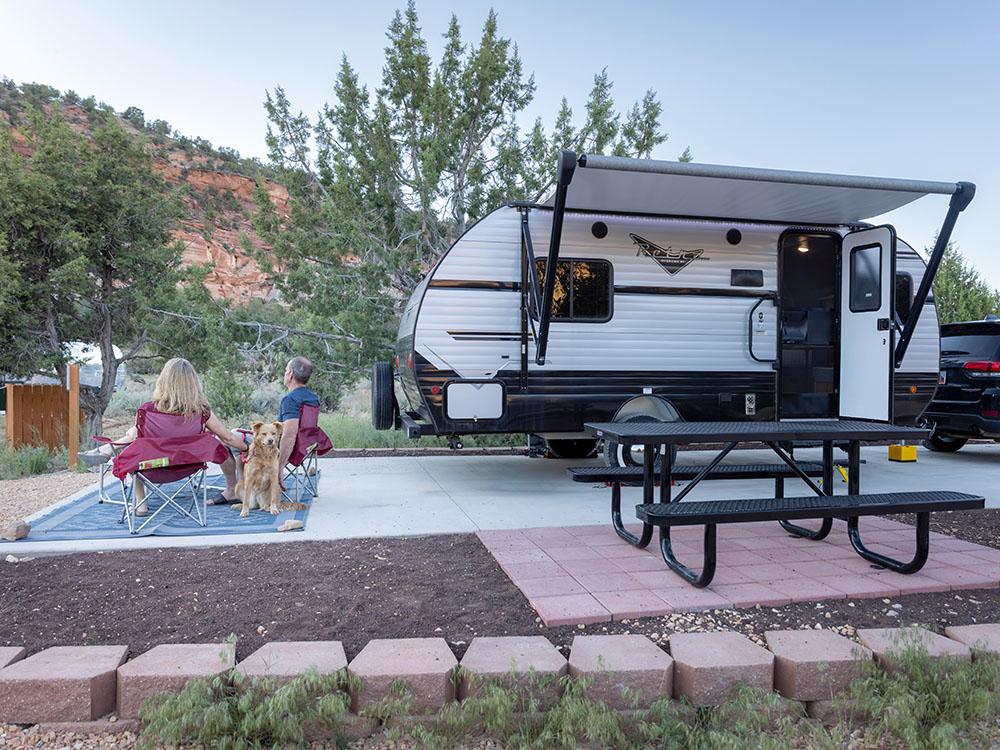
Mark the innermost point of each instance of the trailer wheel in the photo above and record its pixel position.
(383, 400)
(943, 444)
(583, 448)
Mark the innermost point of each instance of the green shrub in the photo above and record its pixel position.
(126, 401)
(29, 460)
(228, 391)
(347, 431)
(232, 712)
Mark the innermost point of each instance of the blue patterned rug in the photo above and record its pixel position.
(86, 518)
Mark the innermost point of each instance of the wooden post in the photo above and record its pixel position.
(12, 416)
(73, 417)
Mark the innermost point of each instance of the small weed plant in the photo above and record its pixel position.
(932, 704)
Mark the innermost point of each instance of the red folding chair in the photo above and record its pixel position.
(310, 443)
(168, 448)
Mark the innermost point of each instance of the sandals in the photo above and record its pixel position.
(216, 497)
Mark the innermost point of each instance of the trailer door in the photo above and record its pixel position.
(866, 333)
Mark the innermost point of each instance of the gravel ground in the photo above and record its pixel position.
(17, 738)
(20, 498)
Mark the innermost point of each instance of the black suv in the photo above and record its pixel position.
(967, 402)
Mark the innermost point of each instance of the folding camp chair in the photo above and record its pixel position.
(103, 494)
(168, 448)
(310, 443)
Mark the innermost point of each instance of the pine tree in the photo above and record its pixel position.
(960, 293)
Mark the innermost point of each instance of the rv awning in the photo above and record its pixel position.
(617, 184)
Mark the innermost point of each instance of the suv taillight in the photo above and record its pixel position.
(982, 369)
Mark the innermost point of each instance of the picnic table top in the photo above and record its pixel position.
(631, 433)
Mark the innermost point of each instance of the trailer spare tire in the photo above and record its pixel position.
(383, 400)
(640, 409)
(582, 448)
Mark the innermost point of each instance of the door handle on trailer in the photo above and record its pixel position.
(884, 324)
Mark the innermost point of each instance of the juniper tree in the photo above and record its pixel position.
(85, 247)
(388, 174)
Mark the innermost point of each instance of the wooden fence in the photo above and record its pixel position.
(46, 415)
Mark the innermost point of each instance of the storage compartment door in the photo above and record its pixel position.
(866, 333)
(466, 400)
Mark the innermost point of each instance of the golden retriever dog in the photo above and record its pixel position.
(260, 486)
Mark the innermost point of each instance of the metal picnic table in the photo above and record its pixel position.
(651, 435)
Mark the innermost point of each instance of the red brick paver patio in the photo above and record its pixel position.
(586, 574)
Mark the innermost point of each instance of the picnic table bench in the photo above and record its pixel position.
(670, 512)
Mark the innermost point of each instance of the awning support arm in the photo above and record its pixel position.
(567, 165)
(962, 197)
(534, 293)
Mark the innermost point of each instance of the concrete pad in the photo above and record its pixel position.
(528, 663)
(168, 668)
(424, 665)
(708, 665)
(624, 671)
(981, 639)
(286, 660)
(10, 654)
(814, 665)
(888, 643)
(63, 683)
(458, 493)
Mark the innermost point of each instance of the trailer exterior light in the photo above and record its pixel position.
(982, 369)
(435, 390)
(409, 361)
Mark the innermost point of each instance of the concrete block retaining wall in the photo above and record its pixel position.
(810, 667)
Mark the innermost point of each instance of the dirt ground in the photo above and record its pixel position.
(355, 590)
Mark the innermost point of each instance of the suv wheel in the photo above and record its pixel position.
(944, 444)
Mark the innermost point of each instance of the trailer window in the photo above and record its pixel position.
(582, 290)
(904, 296)
(866, 278)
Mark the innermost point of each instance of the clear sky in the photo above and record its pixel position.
(897, 89)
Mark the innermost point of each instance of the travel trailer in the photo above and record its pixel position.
(653, 290)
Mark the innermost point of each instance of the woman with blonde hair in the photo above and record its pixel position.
(178, 391)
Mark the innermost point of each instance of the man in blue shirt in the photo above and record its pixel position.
(297, 374)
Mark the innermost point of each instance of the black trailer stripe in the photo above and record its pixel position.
(693, 291)
(476, 284)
